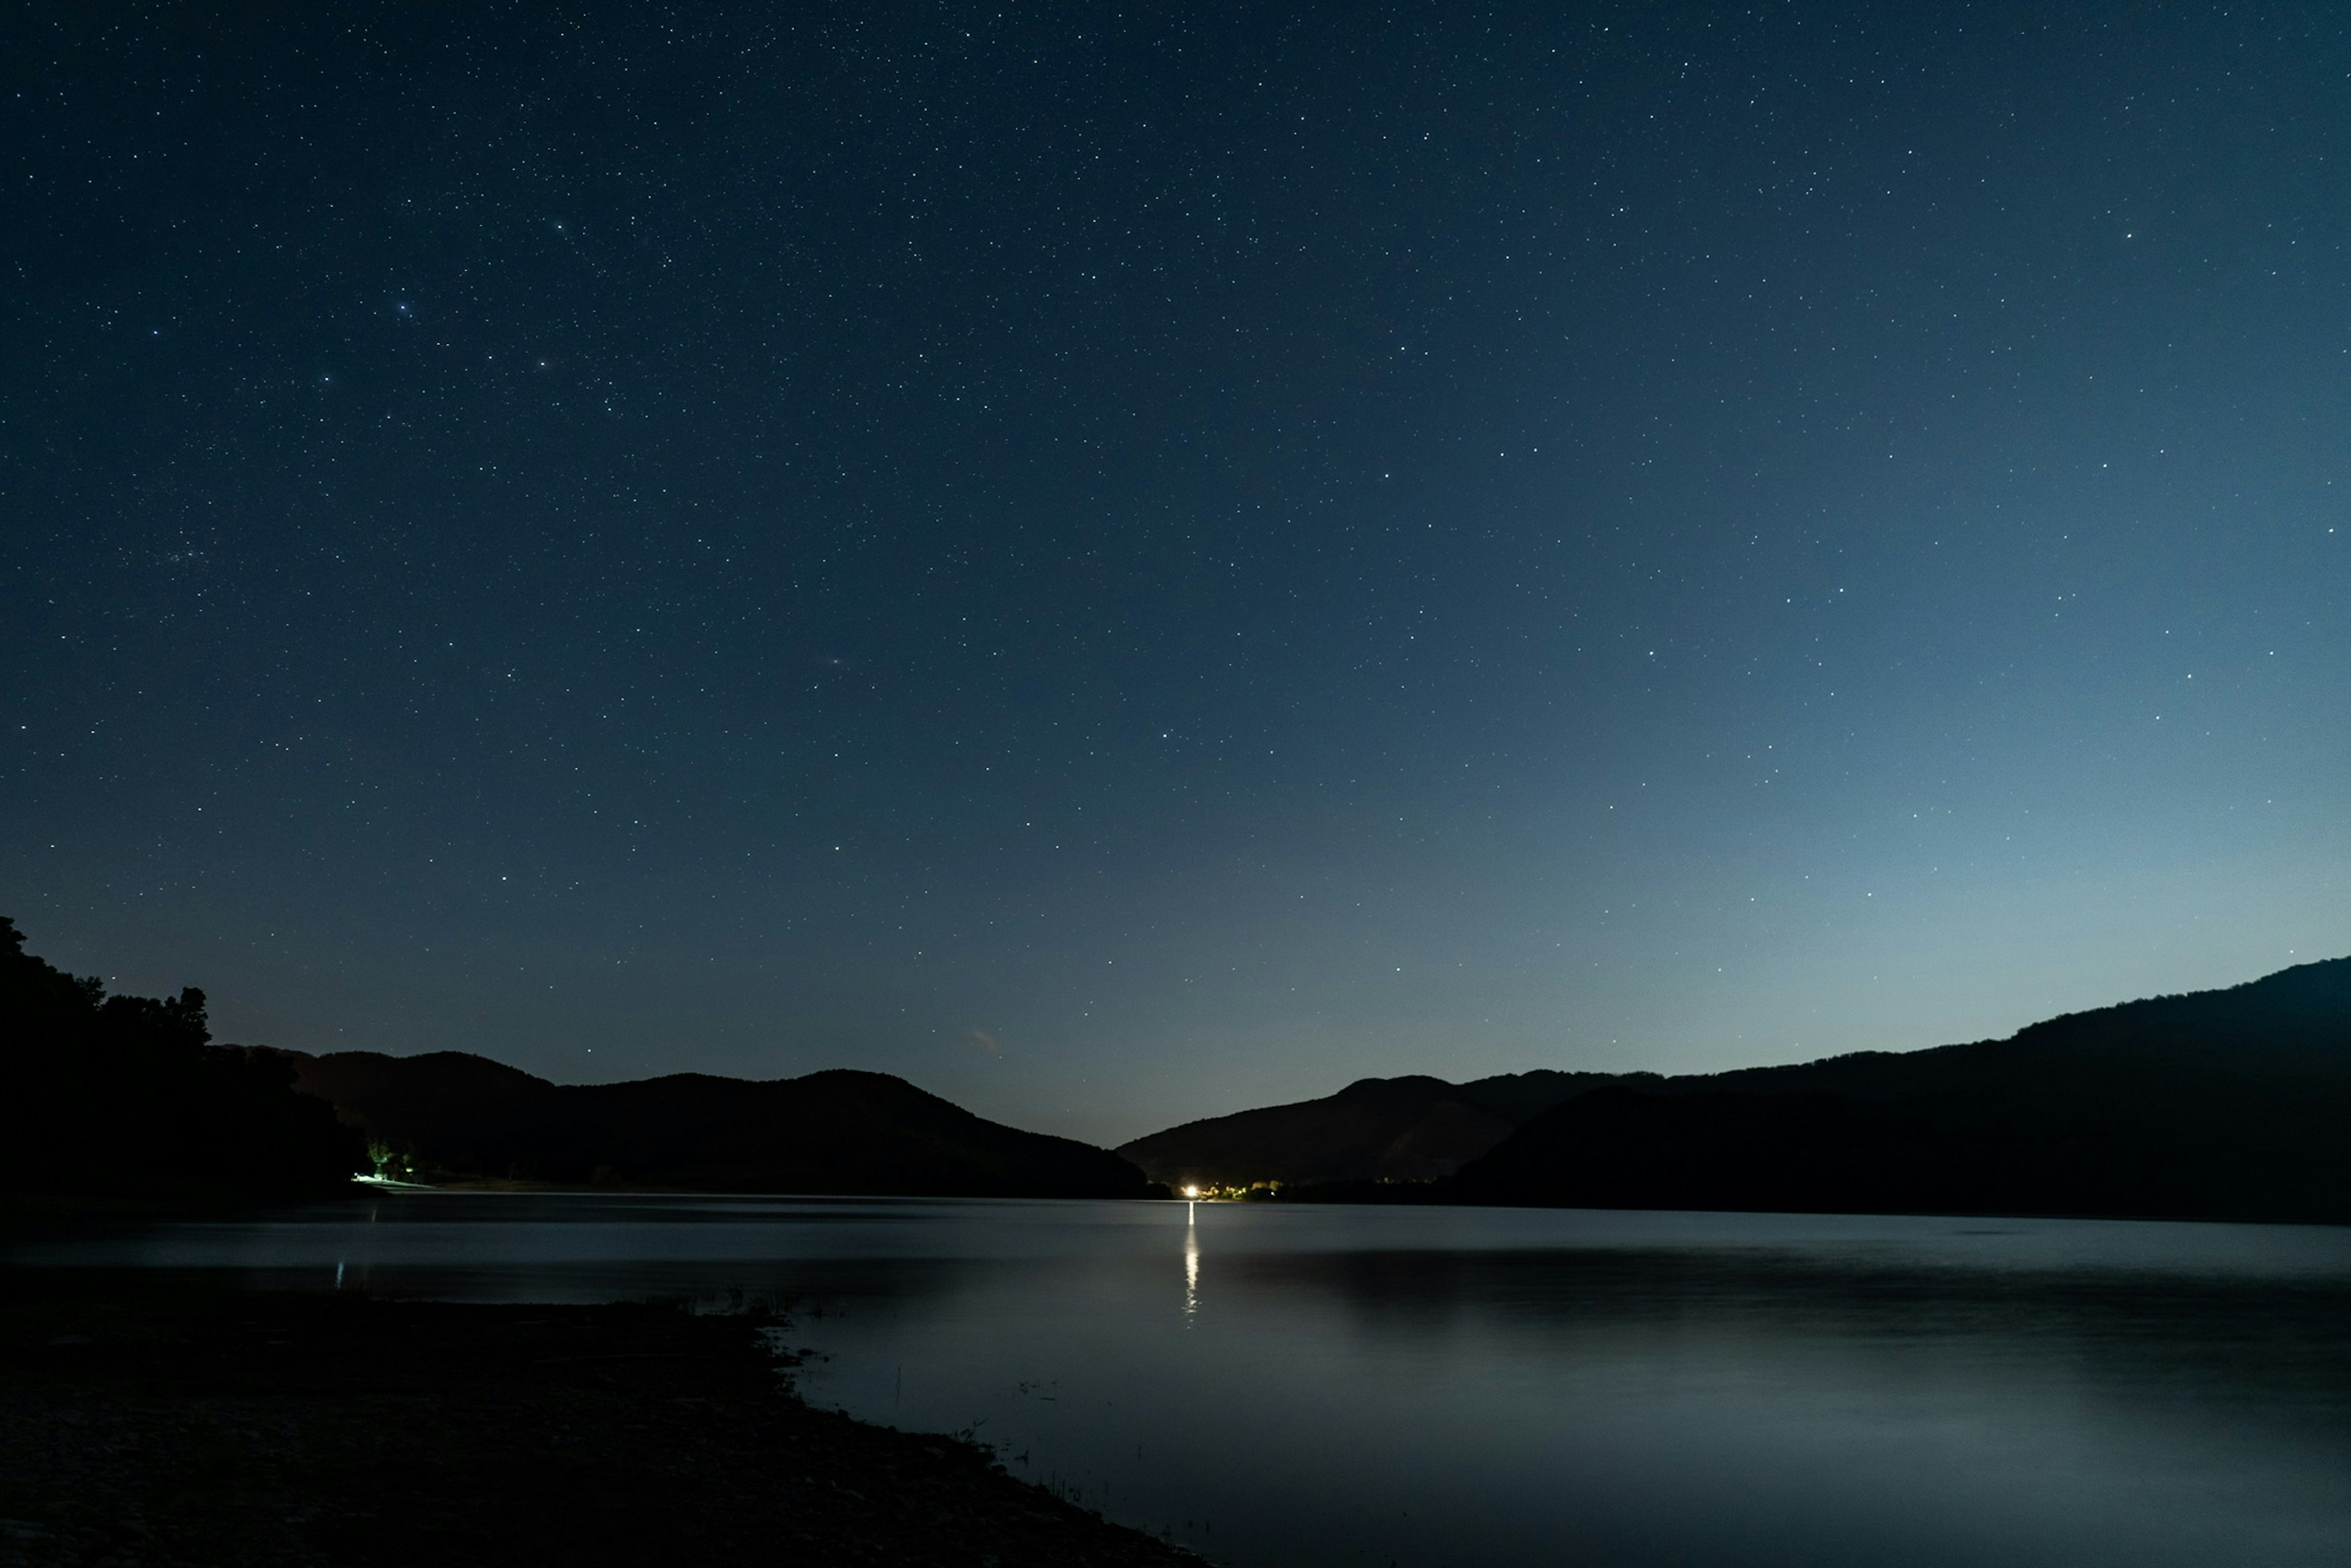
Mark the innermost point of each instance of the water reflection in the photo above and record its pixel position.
(1191, 1263)
(1496, 1387)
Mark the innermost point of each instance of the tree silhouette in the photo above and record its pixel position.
(124, 1095)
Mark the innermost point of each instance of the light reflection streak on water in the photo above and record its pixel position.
(1191, 1265)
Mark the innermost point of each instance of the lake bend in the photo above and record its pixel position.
(1275, 1384)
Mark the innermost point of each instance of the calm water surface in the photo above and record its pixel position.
(1483, 1388)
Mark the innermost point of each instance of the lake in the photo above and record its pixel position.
(1302, 1385)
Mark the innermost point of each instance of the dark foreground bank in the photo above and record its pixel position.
(166, 1425)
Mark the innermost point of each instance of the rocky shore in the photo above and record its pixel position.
(154, 1423)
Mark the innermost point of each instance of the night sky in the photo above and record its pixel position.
(1123, 565)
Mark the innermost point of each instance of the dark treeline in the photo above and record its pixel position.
(119, 1096)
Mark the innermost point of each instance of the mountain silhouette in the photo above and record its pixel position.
(835, 1132)
(1375, 1129)
(2227, 1104)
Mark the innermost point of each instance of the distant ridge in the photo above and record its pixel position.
(835, 1131)
(1375, 1129)
(2225, 1105)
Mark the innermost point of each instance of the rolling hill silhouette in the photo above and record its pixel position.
(2228, 1104)
(2225, 1105)
(1375, 1129)
(836, 1132)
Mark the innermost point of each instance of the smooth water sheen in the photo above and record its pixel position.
(1301, 1384)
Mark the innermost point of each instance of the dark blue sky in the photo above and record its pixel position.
(1125, 564)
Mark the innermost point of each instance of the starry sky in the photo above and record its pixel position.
(1124, 563)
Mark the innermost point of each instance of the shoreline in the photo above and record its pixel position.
(166, 1422)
